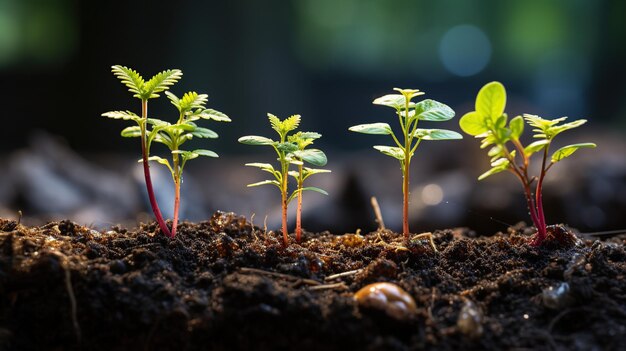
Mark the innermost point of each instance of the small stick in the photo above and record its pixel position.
(343, 274)
(379, 216)
(19, 218)
(429, 236)
(341, 285)
(279, 275)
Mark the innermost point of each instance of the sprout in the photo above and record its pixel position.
(409, 114)
(489, 123)
(191, 108)
(291, 149)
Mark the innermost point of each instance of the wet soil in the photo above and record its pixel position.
(224, 284)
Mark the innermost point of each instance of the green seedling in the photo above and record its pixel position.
(291, 149)
(191, 108)
(145, 90)
(409, 114)
(489, 123)
(315, 157)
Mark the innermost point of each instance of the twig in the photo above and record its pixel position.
(280, 275)
(379, 216)
(428, 235)
(341, 285)
(342, 274)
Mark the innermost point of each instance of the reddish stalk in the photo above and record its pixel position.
(146, 173)
(284, 206)
(541, 228)
(299, 207)
(176, 206)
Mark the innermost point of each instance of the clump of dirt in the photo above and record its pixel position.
(224, 284)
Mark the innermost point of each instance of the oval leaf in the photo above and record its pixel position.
(131, 132)
(396, 101)
(536, 146)
(204, 133)
(431, 110)
(517, 127)
(372, 128)
(437, 134)
(312, 188)
(315, 157)
(491, 100)
(473, 123)
(272, 182)
(203, 152)
(255, 140)
(392, 151)
(567, 151)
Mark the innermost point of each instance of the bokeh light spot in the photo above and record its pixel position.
(465, 50)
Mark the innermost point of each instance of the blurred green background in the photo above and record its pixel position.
(324, 59)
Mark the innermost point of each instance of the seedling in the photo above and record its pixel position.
(409, 114)
(313, 156)
(291, 149)
(191, 108)
(145, 90)
(489, 123)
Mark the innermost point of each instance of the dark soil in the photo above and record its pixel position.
(224, 285)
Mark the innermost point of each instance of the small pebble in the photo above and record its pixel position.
(470, 321)
(388, 297)
(556, 296)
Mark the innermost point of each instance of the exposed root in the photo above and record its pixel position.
(280, 275)
(340, 285)
(342, 274)
(70, 293)
(429, 236)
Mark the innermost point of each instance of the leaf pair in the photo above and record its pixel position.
(150, 89)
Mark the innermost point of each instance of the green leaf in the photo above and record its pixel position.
(409, 93)
(315, 157)
(131, 132)
(310, 135)
(517, 127)
(157, 122)
(287, 147)
(256, 140)
(392, 151)
(491, 100)
(431, 110)
(536, 146)
(125, 115)
(214, 115)
(554, 130)
(272, 182)
(499, 165)
(311, 171)
(204, 133)
(312, 188)
(396, 101)
(130, 78)
(372, 128)
(473, 123)
(161, 82)
(567, 151)
(436, 134)
(264, 166)
(206, 153)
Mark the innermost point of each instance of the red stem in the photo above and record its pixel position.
(541, 229)
(146, 173)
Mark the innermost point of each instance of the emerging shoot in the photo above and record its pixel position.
(290, 149)
(191, 108)
(409, 114)
(489, 123)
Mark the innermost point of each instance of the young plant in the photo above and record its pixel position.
(315, 157)
(145, 90)
(489, 123)
(409, 114)
(191, 108)
(283, 149)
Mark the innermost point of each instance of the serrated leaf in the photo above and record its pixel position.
(310, 135)
(214, 115)
(131, 132)
(436, 134)
(372, 128)
(536, 146)
(552, 131)
(517, 127)
(161, 82)
(315, 157)
(473, 123)
(204, 133)
(256, 140)
(567, 151)
(157, 122)
(392, 151)
(431, 110)
(129, 77)
(272, 182)
(125, 115)
(491, 100)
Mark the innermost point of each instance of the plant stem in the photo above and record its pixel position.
(541, 229)
(284, 207)
(408, 139)
(299, 207)
(177, 177)
(146, 173)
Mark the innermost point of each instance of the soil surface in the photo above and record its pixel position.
(225, 284)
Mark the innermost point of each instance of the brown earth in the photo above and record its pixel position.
(226, 285)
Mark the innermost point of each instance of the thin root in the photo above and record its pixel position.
(428, 235)
(340, 285)
(343, 274)
(379, 216)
